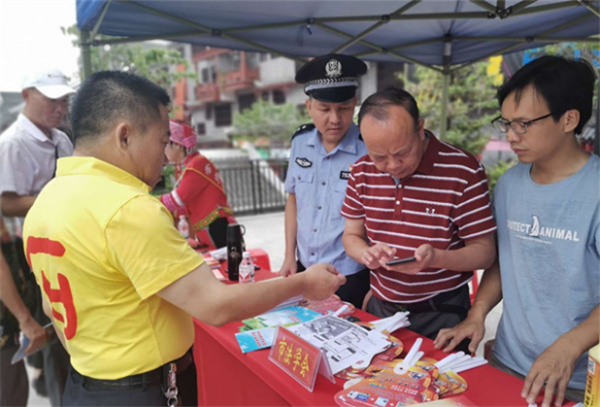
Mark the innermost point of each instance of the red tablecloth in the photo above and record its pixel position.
(227, 377)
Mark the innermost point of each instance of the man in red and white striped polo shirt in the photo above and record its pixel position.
(414, 196)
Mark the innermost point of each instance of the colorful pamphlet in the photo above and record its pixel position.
(258, 332)
(255, 339)
(330, 306)
(381, 386)
(285, 316)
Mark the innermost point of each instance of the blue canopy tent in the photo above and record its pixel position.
(443, 35)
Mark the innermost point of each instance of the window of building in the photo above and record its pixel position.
(265, 96)
(205, 75)
(246, 101)
(223, 115)
(208, 74)
(209, 112)
(278, 97)
(201, 129)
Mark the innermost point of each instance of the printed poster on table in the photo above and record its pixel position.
(343, 342)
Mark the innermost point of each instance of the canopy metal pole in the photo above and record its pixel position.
(212, 31)
(447, 59)
(445, 99)
(86, 56)
(100, 20)
(122, 40)
(511, 47)
(376, 48)
(597, 138)
(528, 39)
(589, 7)
(384, 20)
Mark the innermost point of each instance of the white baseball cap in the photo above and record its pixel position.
(52, 83)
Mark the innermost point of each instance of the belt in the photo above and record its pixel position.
(436, 304)
(142, 380)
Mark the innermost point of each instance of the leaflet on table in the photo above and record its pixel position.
(294, 301)
(284, 316)
(381, 386)
(344, 343)
(211, 261)
(255, 339)
(24, 343)
(218, 275)
(330, 306)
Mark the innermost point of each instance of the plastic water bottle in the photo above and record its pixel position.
(183, 227)
(246, 269)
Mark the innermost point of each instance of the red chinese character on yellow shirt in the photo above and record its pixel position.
(63, 294)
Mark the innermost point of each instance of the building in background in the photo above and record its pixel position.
(231, 81)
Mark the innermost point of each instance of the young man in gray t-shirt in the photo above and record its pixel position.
(547, 209)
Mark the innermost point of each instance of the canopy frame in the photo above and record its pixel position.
(489, 11)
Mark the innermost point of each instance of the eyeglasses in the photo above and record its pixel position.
(518, 126)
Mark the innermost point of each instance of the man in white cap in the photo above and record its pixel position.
(29, 149)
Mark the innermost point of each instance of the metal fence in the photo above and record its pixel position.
(254, 186)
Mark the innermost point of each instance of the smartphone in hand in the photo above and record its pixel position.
(400, 261)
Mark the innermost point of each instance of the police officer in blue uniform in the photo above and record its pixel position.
(320, 162)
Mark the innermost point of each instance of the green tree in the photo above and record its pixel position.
(156, 64)
(495, 172)
(265, 119)
(584, 50)
(472, 103)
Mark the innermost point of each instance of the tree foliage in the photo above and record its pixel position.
(156, 64)
(472, 103)
(266, 119)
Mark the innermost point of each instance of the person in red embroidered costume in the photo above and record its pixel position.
(199, 193)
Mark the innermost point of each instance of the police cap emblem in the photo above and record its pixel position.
(333, 69)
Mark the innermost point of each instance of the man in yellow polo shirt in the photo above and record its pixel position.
(119, 281)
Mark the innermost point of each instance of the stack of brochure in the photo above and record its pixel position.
(258, 332)
(343, 342)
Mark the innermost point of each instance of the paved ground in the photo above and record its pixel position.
(267, 232)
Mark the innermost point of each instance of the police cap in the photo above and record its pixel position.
(331, 78)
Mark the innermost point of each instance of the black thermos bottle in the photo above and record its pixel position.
(235, 249)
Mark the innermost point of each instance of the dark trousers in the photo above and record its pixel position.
(81, 391)
(356, 287)
(445, 310)
(218, 232)
(14, 386)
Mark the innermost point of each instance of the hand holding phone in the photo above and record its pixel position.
(400, 261)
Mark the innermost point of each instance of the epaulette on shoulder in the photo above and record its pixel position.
(303, 129)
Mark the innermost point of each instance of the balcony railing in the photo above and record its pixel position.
(237, 80)
(207, 92)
